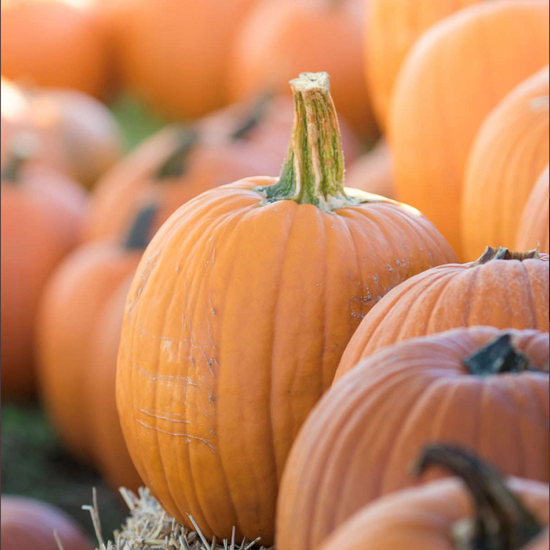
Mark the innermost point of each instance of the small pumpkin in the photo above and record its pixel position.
(393, 26)
(211, 339)
(71, 309)
(42, 212)
(28, 524)
(279, 39)
(36, 36)
(482, 510)
(359, 442)
(508, 155)
(451, 80)
(503, 289)
(533, 228)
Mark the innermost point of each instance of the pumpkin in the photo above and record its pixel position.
(533, 228)
(42, 211)
(502, 289)
(373, 172)
(280, 39)
(54, 44)
(181, 162)
(451, 80)
(393, 26)
(28, 524)
(175, 53)
(70, 311)
(481, 508)
(507, 157)
(361, 439)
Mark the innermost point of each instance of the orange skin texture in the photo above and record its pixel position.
(373, 172)
(392, 28)
(451, 80)
(227, 324)
(507, 158)
(70, 310)
(112, 458)
(418, 390)
(40, 223)
(533, 228)
(37, 35)
(502, 294)
(175, 53)
(422, 518)
(29, 525)
(282, 39)
(209, 165)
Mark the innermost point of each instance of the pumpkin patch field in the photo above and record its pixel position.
(275, 275)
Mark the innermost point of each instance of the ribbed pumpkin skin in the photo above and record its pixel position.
(70, 310)
(393, 26)
(533, 228)
(238, 316)
(29, 525)
(451, 80)
(507, 157)
(419, 392)
(41, 218)
(501, 293)
(422, 518)
(281, 39)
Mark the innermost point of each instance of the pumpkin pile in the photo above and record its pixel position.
(260, 345)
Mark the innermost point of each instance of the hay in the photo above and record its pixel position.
(149, 527)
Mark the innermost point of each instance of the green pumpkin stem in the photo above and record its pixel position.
(500, 521)
(498, 357)
(503, 253)
(139, 236)
(175, 165)
(313, 172)
(21, 150)
(254, 116)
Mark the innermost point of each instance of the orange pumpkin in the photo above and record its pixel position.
(507, 157)
(451, 80)
(373, 172)
(29, 525)
(212, 339)
(175, 53)
(484, 509)
(502, 289)
(478, 388)
(180, 163)
(533, 228)
(71, 308)
(51, 43)
(40, 223)
(281, 39)
(393, 26)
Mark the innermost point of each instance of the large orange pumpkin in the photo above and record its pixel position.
(393, 26)
(452, 78)
(533, 228)
(71, 309)
(41, 215)
(239, 313)
(51, 43)
(180, 163)
(29, 525)
(483, 509)
(478, 388)
(502, 289)
(175, 53)
(281, 39)
(507, 157)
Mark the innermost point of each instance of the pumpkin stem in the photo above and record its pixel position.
(501, 521)
(175, 165)
(22, 149)
(503, 253)
(253, 117)
(498, 357)
(313, 172)
(139, 235)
